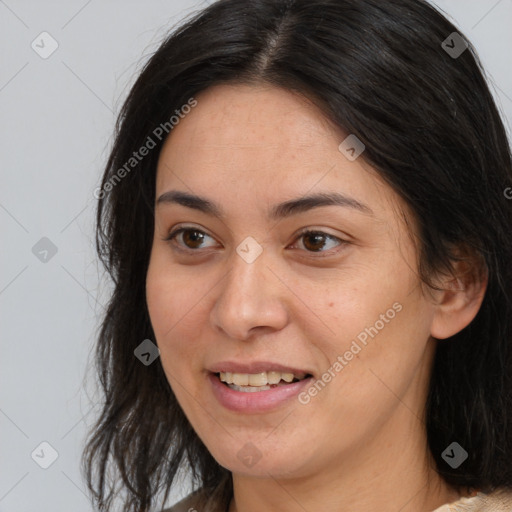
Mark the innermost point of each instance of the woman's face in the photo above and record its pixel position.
(243, 291)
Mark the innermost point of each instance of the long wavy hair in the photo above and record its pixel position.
(432, 130)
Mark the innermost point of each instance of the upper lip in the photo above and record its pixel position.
(255, 367)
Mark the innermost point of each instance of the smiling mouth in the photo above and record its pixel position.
(252, 382)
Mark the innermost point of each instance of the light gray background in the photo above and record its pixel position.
(56, 123)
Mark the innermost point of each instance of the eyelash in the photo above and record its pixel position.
(172, 235)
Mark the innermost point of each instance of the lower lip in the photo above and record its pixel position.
(257, 401)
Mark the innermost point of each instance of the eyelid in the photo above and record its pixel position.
(180, 228)
(321, 231)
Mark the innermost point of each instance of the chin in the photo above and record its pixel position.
(253, 462)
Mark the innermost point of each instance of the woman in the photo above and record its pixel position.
(304, 210)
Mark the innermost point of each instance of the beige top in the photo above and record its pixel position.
(498, 501)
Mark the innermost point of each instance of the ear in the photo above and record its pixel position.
(460, 297)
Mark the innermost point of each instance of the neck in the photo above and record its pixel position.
(393, 471)
(397, 487)
(389, 469)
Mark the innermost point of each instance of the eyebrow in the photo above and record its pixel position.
(279, 211)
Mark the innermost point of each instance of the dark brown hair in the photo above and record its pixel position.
(431, 130)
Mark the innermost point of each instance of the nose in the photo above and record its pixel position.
(250, 300)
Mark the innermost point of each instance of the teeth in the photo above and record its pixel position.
(255, 379)
(273, 377)
(258, 379)
(248, 389)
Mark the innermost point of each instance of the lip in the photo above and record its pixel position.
(255, 367)
(258, 401)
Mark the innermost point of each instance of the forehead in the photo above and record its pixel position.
(261, 109)
(268, 143)
(262, 124)
(254, 127)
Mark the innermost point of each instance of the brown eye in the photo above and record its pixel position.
(315, 241)
(191, 238)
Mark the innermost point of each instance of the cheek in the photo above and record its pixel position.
(378, 322)
(351, 306)
(161, 303)
(169, 294)
(378, 359)
(167, 307)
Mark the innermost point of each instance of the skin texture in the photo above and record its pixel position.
(361, 440)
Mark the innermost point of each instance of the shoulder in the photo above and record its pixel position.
(498, 501)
